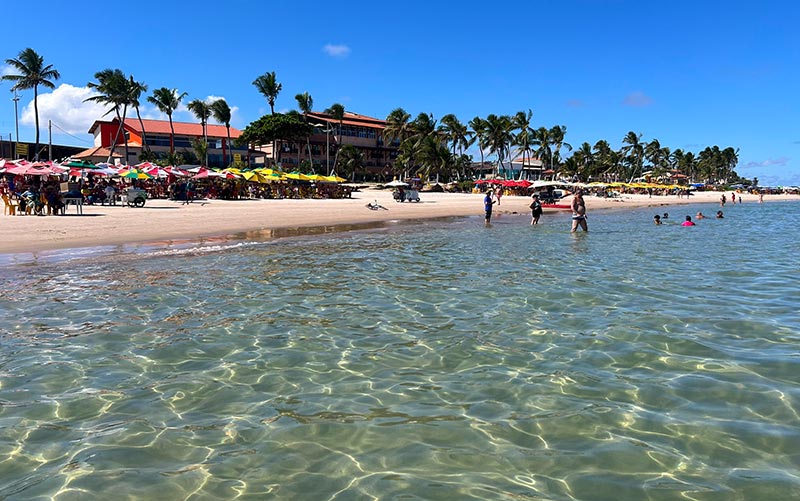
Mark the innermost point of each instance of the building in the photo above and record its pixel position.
(363, 132)
(158, 132)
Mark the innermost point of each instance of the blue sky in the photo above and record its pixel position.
(690, 74)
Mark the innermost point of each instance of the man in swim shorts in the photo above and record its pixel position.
(488, 202)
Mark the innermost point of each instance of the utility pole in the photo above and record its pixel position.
(50, 140)
(328, 148)
(16, 123)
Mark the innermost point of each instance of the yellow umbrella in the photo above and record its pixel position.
(297, 176)
(334, 179)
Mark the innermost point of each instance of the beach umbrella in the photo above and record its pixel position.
(396, 183)
(297, 176)
(133, 174)
(80, 164)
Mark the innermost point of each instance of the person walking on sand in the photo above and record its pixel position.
(499, 194)
(733, 198)
(536, 209)
(722, 200)
(488, 202)
(578, 212)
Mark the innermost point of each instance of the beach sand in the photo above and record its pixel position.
(166, 220)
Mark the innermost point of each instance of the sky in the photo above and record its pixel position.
(688, 73)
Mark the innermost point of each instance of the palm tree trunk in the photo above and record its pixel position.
(36, 112)
(116, 136)
(171, 136)
(124, 135)
(145, 146)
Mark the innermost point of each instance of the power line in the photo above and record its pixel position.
(70, 135)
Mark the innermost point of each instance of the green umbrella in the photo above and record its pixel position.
(80, 164)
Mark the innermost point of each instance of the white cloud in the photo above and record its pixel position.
(637, 99)
(6, 70)
(336, 50)
(771, 162)
(65, 106)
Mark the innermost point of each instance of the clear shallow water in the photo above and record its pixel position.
(433, 360)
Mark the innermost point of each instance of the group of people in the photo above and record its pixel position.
(578, 207)
(687, 220)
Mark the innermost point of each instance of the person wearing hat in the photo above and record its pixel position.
(488, 202)
(536, 209)
(578, 212)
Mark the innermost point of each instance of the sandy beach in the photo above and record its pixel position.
(166, 220)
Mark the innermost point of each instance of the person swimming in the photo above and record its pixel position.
(656, 219)
(688, 222)
(699, 216)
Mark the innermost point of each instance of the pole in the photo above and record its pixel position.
(328, 147)
(16, 123)
(50, 140)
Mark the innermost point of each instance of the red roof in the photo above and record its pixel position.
(97, 151)
(181, 128)
(351, 119)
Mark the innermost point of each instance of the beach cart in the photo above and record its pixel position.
(135, 197)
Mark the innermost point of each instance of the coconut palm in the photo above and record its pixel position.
(398, 126)
(306, 104)
(542, 141)
(267, 84)
(351, 161)
(499, 136)
(634, 152)
(524, 137)
(478, 126)
(201, 110)
(557, 135)
(113, 89)
(584, 158)
(222, 114)
(167, 101)
(135, 90)
(336, 111)
(31, 73)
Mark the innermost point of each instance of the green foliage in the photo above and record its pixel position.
(274, 127)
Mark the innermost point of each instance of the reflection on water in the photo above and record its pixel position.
(438, 360)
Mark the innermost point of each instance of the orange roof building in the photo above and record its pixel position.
(157, 133)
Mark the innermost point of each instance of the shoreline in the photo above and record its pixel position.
(167, 221)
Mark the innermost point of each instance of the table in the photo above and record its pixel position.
(77, 202)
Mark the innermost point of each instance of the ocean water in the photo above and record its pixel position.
(412, 360)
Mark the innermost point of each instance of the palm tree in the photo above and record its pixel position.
(32, 73)
(524, 138)
(634, 152)
(478, 126)
(584, 157)
(351, 162)
(557, 134)
(222, 114)
(499, 136)
(136, 89)
(542, 140)
(336, 111)
(267, 84)
(113, 89)
(306, 104)
(167, 101)
(398, 126)
(201, 110)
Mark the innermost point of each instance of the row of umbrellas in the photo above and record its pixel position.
(147, 170)
(543, 184)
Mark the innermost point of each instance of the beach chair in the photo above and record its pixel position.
(10, 207)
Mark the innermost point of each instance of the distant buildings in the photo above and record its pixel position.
(363, 132)
(157, 133)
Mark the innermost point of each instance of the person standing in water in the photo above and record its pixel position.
(578, 212)
(488, 202)
(536, 209)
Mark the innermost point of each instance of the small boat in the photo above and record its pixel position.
(557, 206)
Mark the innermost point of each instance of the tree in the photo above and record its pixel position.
(478, 126)
(336, 111)
(398, 126)
(542, 140)
(584, 159)
(222, 114)
(634, 153)
(270, 128)
(31, 73)
(524, 138)
(352, 160)
(113, 89)
(557, 135)
(167, 101)
(267, 84)
(135, 90)
(499, 136)
(201, 110)
(305, 103)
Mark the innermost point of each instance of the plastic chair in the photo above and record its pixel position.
(10, 207)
